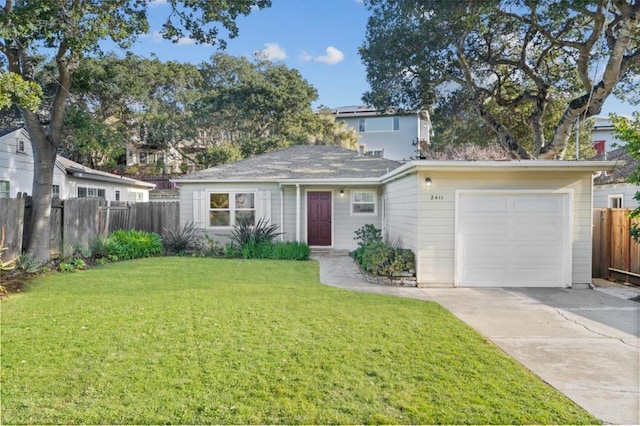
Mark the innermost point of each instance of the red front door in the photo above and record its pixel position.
(319, 218)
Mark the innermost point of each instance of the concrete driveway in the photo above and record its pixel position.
(563, 336)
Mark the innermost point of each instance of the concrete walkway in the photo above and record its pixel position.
(594, 364)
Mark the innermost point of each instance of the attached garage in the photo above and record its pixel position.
(513, 239)
(494, 223)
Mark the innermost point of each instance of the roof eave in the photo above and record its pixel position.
(501, 166)
(316, 181)
(81, 174)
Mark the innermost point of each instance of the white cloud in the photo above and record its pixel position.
(185, 41)
(305, 56)
(273, 52)
(159, 2)
(332, 57)
(156, 36)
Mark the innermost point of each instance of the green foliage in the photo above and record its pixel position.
(628, 130)
(132, 244)
(379, 258)
(222, 153)
(14, 89)
(367, 234)
(28, 264)
(246, 232)
(72, 265)
(291, 250)
(211, 247)
(180, 239)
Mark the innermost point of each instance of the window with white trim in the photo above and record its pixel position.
(89, 192)
(5, 189)
(616, 201)
(55, 191)
(20, 147)
(231, 208)
(136, 196)
(363, 202)
(117, 195)
(379, 124)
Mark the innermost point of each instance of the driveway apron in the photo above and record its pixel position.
(563, 336)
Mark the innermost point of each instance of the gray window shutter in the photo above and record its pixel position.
(264, 205)
(199, 208)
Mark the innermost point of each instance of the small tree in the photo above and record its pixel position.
(628, 130)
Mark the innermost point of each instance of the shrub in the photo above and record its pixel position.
(180, 239)
(291, 250)
(28, 264)
(368, 234)
(259, 233)
(132, 244)
(380, 259)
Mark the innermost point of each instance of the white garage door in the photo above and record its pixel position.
(512, 240)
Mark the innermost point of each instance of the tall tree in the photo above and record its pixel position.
(628, 130)
(73, 30)
(504, 58)
(257, 105)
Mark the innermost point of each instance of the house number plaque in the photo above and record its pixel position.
(435, 197)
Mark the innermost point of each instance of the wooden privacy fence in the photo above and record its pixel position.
(80, 220)
(615, 253)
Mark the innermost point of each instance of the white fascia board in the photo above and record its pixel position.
(283, 182)
(499, 166)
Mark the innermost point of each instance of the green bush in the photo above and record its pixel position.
(291, 250)
(245, 232)
(132, 244)
(378, 258)
(180, 239)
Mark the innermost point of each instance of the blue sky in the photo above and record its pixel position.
(319, 38)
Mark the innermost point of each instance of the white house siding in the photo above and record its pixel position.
(397, 145)
(601, 195)
(401, 211)
(436, 227)
(191, 212)
(16, 167)
(69, 189)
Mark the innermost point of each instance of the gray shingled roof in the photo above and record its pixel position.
(300, 162)
(71, 167)
(626, 166)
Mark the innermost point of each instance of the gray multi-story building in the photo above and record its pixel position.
(394, 135)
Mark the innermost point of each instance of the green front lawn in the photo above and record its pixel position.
(193, 341)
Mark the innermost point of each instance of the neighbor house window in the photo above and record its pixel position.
(379, 124)
(363, 202)
(21, 146)
(375, 153)
(615, 201)
(117, 195)
(4, 189)
(231, 208)
(136, 196)
(87, 192)
(55, 191)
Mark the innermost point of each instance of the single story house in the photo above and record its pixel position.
(70, 179)
(612, 189)
(484, 223)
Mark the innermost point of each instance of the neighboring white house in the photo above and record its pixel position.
(611, 189)
(395, 136)
(602, 137)
(70, 179)
(469, 223)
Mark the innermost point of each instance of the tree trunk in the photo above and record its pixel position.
(44, 158)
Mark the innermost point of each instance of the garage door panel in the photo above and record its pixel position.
(489, 204)
(511, 239)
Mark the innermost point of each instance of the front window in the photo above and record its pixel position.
(363, 202)
(55, 191)
(4, 189)
(231, 208)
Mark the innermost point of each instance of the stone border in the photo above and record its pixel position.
(391, 282)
